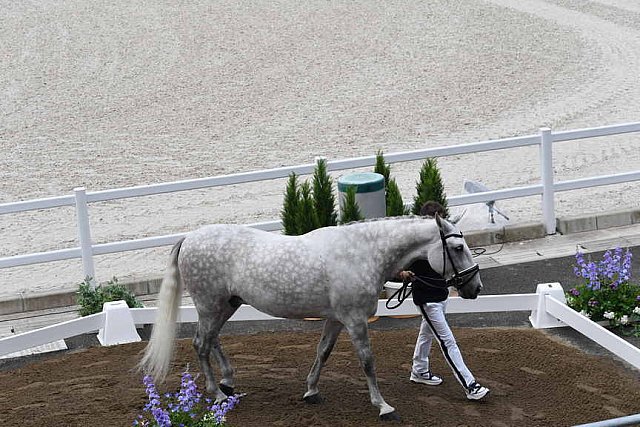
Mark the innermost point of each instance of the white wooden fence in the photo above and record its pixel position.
(116, 323)
(546, 188)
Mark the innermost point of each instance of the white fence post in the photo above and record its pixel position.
(540, 318)
(119, 327)
(84, 234)
(546, 172)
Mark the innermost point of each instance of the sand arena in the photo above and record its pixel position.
(124, 94)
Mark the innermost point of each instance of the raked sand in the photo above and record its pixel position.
(116, 94)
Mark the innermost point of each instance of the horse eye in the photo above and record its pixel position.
(459, 248)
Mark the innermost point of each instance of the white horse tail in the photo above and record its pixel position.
(159, 352)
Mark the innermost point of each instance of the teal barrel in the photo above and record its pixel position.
(369, 192)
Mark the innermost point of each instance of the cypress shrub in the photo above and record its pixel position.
(392, 195)
(307, 219)
(350, 210)
(323, 198)
(395, 205)
(429, 187)
(289, 213)
(383, 169)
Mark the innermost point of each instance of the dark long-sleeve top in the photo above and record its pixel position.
(423, 293)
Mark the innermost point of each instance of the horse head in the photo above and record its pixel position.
(454, 260)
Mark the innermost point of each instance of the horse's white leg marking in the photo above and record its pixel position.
(206, 339)
(360, 337)
(330, 334)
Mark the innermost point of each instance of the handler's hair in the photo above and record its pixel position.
(430, 208)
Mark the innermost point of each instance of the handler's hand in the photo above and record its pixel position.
(406, 276)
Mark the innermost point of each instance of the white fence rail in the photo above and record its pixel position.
(549, 297)
(547, 188)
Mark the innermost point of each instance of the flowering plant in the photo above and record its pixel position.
(606, 292)
(186, 408)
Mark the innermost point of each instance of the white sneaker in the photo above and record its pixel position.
(476, 391)
(425, 378)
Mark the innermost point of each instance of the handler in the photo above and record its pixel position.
(432, 301)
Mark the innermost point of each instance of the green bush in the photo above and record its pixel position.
(429, 187)
(383, 169)
(350, 210)
(307, 218)
(91, 299)
(289, 214)
(306, 208)
(392, 197)
(395, 205)
(323, 199)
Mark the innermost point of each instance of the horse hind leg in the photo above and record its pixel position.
(207, 340)
(330, 334)
(359, 333)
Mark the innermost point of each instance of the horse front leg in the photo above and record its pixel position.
(359, 333)
(330, 334)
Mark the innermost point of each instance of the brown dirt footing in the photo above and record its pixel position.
(534, 381)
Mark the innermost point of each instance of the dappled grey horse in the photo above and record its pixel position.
(336, 273)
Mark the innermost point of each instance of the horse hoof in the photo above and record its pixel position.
(391, 416)
(314, 399)
(226, 389)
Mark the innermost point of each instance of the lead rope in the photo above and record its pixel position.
(402, 293)
(405, 290)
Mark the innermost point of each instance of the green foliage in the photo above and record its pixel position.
(382, 168)
(350, 209)
(324, 201)
(307, 218)
(91, 299)
(429, 187)
(289, 213)
(392, 196)
(395, 205)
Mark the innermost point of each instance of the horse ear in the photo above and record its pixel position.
(458, 217)
(443, 224)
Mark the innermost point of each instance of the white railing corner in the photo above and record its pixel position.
(540, 317)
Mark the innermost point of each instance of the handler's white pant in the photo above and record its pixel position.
(434, 324)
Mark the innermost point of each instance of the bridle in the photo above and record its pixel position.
(460, 277)
(457, 280)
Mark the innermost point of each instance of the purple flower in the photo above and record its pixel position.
(186, 403)
(592, 276)
(161, 417)
(159, 414)
(220, 410)
(188, 395)
(580, 270)
(593, 302)
(574, 292)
